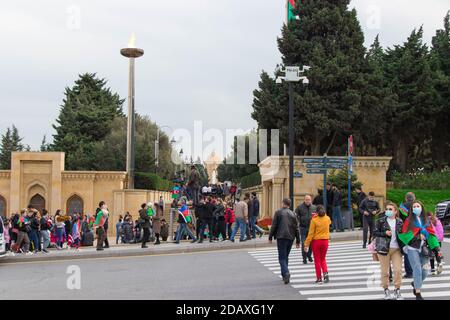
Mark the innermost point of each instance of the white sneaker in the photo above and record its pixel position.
(397, 295)
(29, 253)
(387, 294)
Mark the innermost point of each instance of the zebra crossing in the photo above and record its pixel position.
(353, 275)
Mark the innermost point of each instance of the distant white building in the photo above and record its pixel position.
(212, 163)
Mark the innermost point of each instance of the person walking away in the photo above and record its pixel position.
(183, 219)
(404, 209)
(285, 230)
(159, 214)
(368, 208)
(419, 238)
(337, 204)
(219, 213)
(319, 198)
(119, 225)
(145, 223)
(194, 184)
(360, 196)
(389, 249)
(45, 226)
(241, 216)
(102, 214)
(318, 237)
(304, 214)
(437, 252)
(229, 218)
(248, 230)
(254, 217)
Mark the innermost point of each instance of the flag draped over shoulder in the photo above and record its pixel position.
(427, 230)
(101, 218)
(184, 212)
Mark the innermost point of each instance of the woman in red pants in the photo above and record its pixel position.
(318, 236)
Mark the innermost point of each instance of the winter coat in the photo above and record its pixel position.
(146, 219)
(219, 212)
(229, 216)
(284, 226)
(304, 214)
(381, 226)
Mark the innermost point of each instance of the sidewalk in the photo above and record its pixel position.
(123, 250)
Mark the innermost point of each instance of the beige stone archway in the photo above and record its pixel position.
(35, 188)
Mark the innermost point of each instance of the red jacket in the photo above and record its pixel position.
(229, 215)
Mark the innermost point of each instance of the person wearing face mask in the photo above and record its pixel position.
(389, 248)
(419, 238)
(405, 206)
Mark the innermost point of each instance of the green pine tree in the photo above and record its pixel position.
(328, 37)
(414, 116)
(11, 142)
(440, 65)
(85, 118)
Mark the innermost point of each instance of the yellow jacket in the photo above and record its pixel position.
(319, 229)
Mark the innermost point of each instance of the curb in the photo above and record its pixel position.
(137, 252)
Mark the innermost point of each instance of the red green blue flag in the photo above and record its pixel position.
(290, 6)
(419, 227)
(184, 211)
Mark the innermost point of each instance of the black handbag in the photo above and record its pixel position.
(381, 245)
(425, 251)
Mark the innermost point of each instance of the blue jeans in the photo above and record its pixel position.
(303, 236)
(184, 228)
(45, 239)
(254, 226)
(418, 262)
(203, 225)
(34, 238)
(338, 224)
(240, 223)
(59, 236)
(408, 269)
(284, 248)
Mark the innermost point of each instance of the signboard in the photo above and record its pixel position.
(321, 160)
(316, 171)
(292, 73)
(325, 166)
(298, 174)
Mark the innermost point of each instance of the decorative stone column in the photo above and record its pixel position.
(277, 195)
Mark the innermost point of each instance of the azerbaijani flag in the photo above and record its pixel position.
(175, 192)
(150, 212)
(184, 211)
(427, 230)
(403, 210)
(290, 6)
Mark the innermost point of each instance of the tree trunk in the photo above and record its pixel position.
(400, 153)
(331, 142)
(315, 148)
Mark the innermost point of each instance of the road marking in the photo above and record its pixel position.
(353, 275)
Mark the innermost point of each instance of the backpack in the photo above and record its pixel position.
(88, 239)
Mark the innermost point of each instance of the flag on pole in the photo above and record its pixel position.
(350, 145)
(290, 6)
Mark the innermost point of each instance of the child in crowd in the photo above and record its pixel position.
(437, 252)
(7, 236)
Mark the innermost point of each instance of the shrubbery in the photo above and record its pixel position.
(251, 180)
(151, 181)
(422, 180)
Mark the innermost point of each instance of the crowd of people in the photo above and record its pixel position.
(405, 235)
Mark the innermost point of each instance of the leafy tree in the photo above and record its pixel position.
(110, 153)
(45, 146)
(11, 142)
(85, 118)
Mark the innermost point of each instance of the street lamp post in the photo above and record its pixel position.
(131, 52)
(292, 74)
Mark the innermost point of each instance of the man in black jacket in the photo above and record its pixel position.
(253, 215)
(369, 207)
(46, 225)
(205, 214)
(143, 215)
(304, 214)
(285, 229)
(338, 224)
(360, 197)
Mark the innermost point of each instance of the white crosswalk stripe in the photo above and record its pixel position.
(353, 275)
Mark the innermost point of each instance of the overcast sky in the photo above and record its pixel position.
(202, 57)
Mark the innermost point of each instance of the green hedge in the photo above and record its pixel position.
(251, 180)
(422, 180)
(151, 181)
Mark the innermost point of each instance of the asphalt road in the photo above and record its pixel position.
(217, 275)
